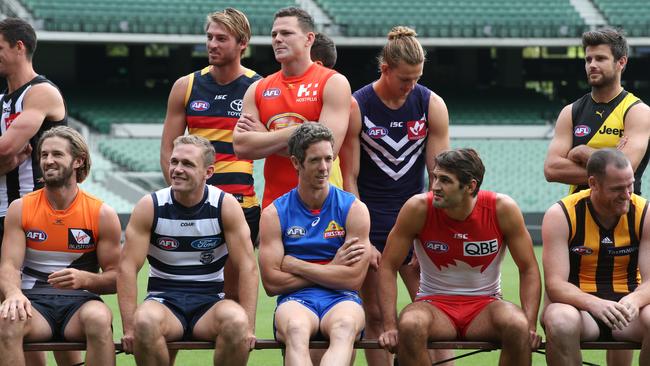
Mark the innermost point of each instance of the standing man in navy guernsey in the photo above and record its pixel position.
(463, 234)
(30, 105)
(609, 116)
(208, 103)
(187, 231)
(397, 127)
(314, 254)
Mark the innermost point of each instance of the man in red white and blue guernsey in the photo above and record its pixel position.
(314, 254)
(462, 233)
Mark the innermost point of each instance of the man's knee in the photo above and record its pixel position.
(11, 331)
(96, 319)
(147, 323)
(561, 320)
(514, 326)
(344, 327)
(414, 323)
(234, 323)
(294, 329)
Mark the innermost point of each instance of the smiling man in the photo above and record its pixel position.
(609, 116)
(301, 91)
(596, 250)
(462, 234)
(186, 232)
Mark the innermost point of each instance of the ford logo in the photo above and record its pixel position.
(205, 243)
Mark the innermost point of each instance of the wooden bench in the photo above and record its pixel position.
(362, 344)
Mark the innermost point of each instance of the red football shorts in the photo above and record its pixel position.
(461, 310)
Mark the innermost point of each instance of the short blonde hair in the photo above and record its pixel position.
(207, 150)
(234, 21)
(78, 148)
(402, 46)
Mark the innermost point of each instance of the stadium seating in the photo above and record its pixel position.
(458, 18)
(146, 16)
(632, 15)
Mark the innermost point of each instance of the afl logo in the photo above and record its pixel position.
(581, 130)
(377, 132)
(199, 105)
(205, 244)
(271, 93)
(36, 235)
(437, 247)
(582, 250)
(296, 232)
(167, 243)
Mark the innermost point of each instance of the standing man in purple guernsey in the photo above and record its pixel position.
(397, 127)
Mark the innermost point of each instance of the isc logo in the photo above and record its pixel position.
(480, 248)
(581, 130)
(397, 124)
(377, 132)
(200, 105)
(271, 93)
(36, 235)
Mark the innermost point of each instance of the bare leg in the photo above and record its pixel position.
(374, 326)
(68, 358)
(92, 323)
(155, 324)
(342, 325)
(420, 322)
(12, 334)
(295, 324)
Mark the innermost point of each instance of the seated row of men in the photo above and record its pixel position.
(314, 253)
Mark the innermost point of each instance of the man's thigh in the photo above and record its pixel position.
(348, 311)
(294, 314)
(209, 324)
(73, 329)
(634, 331)
(439, 325)
(171, 326)
(589, 329)
(37, 328)
(488, 323)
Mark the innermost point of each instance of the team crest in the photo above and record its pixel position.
(334, 230)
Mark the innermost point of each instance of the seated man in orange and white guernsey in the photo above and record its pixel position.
(301, 91)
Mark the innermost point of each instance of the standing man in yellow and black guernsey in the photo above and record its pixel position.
(30, 105)
(609, 116)
(55, 241)
(208, 103)
(301, 91)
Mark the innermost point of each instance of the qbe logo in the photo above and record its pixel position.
(480, 248)
(199, 105)
(581, 130)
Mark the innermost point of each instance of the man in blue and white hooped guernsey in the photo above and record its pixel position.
(187, 231)
(314, 253)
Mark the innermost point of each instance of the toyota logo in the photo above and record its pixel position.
(236, 105)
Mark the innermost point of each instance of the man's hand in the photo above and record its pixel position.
(375, 258)
(615, 315)
(68, 279)
(535, 339)
(250, 341)
(247, 123)
(389, 340)
(127, 341)
(16, 307)
(580, 154)
(632, 308)
(349, 253)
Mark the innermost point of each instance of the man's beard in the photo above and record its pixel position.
(59, 180)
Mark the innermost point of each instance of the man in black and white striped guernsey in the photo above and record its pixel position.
(187, 231)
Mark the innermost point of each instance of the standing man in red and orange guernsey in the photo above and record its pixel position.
(301, 91)
(208, 103)
(608, 116)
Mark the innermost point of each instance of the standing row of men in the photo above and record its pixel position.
(315, 240)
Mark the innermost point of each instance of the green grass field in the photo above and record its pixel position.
(266, 305)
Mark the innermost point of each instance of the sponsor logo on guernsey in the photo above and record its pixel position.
(36, 235)
(199, 105)
(271, 93)
(600, 113)
(582, 250)
(377, 132)
(437, 246)
(581, 130)
(480, 248)
(315, 222)
(207, 257)
(205, 243)
(396, 124)
(462, 236)
(58, 221)
(416, 130)
(10, 118)
(221, 97)
(296, 232)
(236, 105)
(606, 240)
(334, 230)
(166, 243)
(611, 131)
(186, 224)
(307, 93)
(284, 120)
(620, 251)
(79, 239)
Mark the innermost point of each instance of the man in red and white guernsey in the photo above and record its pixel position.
(274, 106)
(55, 241)
(462, 234)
